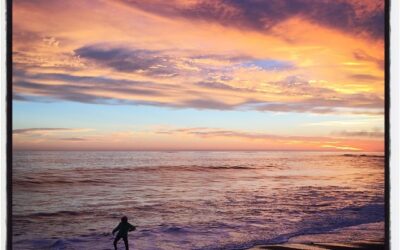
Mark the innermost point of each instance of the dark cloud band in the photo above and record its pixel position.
(349, 16)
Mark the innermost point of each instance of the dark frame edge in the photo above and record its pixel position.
(9, 121)
(387, 125)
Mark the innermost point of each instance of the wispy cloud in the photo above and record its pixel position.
(348, 16)
(129, 60)
(366, 77)
(105, 90)
(364, 56)
(323, 59)
(191, 138)
(346, 148)
(377, 133)
(202, 68)
(46, 131)
(77, 139)
(345, 123)
(212, 132)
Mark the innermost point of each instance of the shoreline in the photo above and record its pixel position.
(366, 245)
(340, 239)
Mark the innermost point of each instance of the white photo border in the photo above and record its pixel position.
(394, 165)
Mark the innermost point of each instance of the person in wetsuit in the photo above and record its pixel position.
(123, 228)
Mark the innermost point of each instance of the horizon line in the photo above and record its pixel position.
(197, 150)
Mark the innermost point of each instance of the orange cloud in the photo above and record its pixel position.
(205, 55)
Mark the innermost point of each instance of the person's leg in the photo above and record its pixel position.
(116, 241)
(125, 238)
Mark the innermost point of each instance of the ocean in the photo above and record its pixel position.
(193, 200)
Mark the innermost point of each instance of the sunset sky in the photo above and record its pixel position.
(198, 75)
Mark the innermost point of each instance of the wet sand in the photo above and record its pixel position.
(340, 239)
(321, 246)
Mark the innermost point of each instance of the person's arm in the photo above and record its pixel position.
(116, 229)
(131, 227)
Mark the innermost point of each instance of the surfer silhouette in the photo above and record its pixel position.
(123, 228)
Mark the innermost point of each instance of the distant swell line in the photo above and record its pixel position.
(60, 214)
(80, 175)
(189, 168)
(53, 214)
(56, 182)
(364, 155)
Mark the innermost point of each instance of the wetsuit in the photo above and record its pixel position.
(123, 228)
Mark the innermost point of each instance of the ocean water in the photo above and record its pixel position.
(192, 200)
